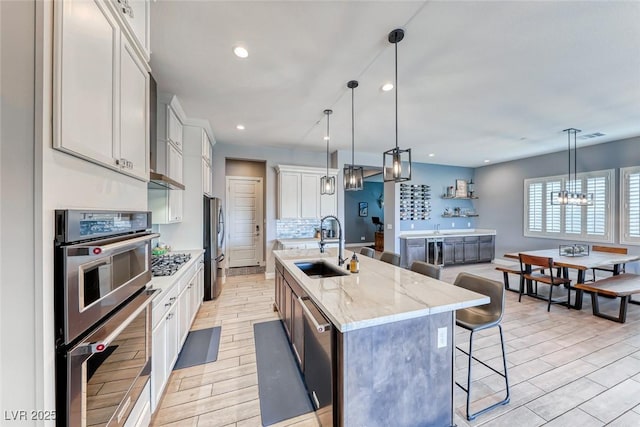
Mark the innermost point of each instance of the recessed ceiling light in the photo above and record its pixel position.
(387, 87)
(240, 52)
(487, 161)
(431, 154)
(240, 127)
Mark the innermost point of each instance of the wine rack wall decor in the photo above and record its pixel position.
(414, 202)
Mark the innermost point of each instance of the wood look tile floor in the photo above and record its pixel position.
(566, 367)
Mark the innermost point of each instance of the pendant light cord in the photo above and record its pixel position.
(396, 83)
(569, 157)
(575, 163)
(352, 131)
(328, 145)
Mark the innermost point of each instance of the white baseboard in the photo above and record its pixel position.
(271, 275)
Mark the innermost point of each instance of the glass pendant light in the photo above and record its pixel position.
(353, 176)
(396, 163)
(327, 182)
(573, 197)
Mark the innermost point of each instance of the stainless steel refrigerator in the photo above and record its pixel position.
(213, 247)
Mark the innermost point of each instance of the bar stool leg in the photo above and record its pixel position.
(507, 398)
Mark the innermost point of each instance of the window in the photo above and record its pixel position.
(591, 223)
(630, 205)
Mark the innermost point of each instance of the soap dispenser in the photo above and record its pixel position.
(354, 266)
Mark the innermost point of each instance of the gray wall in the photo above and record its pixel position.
(501, 190)
(356, 226)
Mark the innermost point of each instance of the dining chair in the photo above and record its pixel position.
(609, 267)
(527, 265)
(426, 269)
(368, 252)
(479, 318)
(390, 257)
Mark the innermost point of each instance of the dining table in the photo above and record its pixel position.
(580, 263)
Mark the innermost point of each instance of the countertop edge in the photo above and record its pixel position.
(379, 320)
(162, 283)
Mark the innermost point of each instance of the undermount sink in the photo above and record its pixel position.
(319, 269)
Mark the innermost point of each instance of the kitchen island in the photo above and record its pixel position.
(390, 352)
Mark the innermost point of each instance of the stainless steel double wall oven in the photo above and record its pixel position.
(102, 314)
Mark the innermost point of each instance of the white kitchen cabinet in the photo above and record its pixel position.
(134, 117)
(165, 353)
(207, 151)
(206, 178)
(158, 362)
(101, 89)
(207, 161)
(166, 206)
(174, 128)
(289, 195)
(299, 193)
(175, 164)
(328, 204)
(136, 15)
(173, 314)
(310, 195)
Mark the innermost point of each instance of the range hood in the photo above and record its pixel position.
(157, 181)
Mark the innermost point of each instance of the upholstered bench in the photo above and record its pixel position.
(622, 285)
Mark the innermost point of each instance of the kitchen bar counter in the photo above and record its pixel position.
(389, 355)
(425, 234)
(379, 294)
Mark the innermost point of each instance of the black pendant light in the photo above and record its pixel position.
(327, 182)
(353, 176)
(570, 196)
(396, 163)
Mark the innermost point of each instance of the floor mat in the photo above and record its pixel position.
(280, 386)
(200, 347)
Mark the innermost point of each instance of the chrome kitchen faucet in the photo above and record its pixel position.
(340, 240)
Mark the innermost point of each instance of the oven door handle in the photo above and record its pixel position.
(97, 250)
(102, 338)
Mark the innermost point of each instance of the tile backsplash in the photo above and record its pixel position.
(301, 228)
(296, 228)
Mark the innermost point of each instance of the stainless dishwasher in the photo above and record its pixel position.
(318, 350)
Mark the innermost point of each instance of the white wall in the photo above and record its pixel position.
(18, 345)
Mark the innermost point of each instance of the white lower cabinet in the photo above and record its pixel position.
(173, 315)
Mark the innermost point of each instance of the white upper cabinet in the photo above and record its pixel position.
(207, 162)
(329, 204)
(101, 89)
(174, 164)
(289, 202)
(174, 128)
(134, 112)
(310, 195)
(299, 193)
(135, 18)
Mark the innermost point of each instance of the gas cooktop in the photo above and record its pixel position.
(166, 265)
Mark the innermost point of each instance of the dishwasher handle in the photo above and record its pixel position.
(320, 327)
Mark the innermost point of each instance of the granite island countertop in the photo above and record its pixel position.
(380, 293)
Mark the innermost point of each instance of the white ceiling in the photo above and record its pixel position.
(477, 80)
